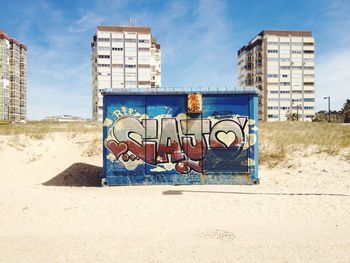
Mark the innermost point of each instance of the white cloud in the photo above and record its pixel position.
(59, 72)
(332, 79)
(199, 41)
(88, 20)
(333, 64)
(197, 44)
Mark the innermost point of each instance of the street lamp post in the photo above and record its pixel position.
(329, 108)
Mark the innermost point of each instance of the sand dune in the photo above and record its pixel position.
(299, 213)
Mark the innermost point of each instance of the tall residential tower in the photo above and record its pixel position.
(13, 64)
(281, 64)
(123, 57)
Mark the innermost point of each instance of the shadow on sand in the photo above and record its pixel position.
(78, 174)
(180, 192)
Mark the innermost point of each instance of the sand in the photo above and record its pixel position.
(299, 213)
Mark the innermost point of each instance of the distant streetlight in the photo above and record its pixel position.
(329, 108)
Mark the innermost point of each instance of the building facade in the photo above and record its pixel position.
(281, 64)
(123, 57)
(13, 64)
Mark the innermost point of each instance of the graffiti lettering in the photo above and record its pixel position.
(184, 142)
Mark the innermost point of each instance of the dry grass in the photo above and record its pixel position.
(93, 147)
(20, 133)
(39, 129)
(278, 140)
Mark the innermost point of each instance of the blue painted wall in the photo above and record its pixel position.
(151, 139)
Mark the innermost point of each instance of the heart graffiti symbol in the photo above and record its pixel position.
(227, 138)
(117, 148)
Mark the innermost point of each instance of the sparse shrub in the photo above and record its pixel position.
(279, 140)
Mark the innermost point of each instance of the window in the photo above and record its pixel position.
(285, 91)
(272, 59)
(103, 39)
(117, 65)
(272, 51)
(117, 40)
(273, 91)
(308, 68)
(284, 76)
(285, 67)
(308, 43)
(273, 116)
(297, 67)
(272, 107)
(104, 65)
(144, 66)
(297, 43)
(296, 51)
(143, 41)
(284, 59)
(309, 100)
(103, 56)
(143, 49)
(284, 51)
(309, 83)
(308, 51)
(284, 83)
(130, 40)
(272, 75)
(284, 43)
(144, 82)
(308, 108)
(117, 48)
(272, 43)
(309, 75)
(130, 66)
(309, 91)
(103, 48)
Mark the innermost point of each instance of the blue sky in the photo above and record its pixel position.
(199, 40)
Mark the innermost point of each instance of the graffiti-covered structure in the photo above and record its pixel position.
(180, 137)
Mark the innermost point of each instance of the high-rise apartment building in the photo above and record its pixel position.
(13, 64)
(281, 64)
(123, 57)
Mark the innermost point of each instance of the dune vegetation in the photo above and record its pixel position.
(39, 129)
(277, 141)
(281, 139)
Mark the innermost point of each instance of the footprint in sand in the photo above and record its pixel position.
(222, 235)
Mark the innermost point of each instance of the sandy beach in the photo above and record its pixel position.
(300, 212)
